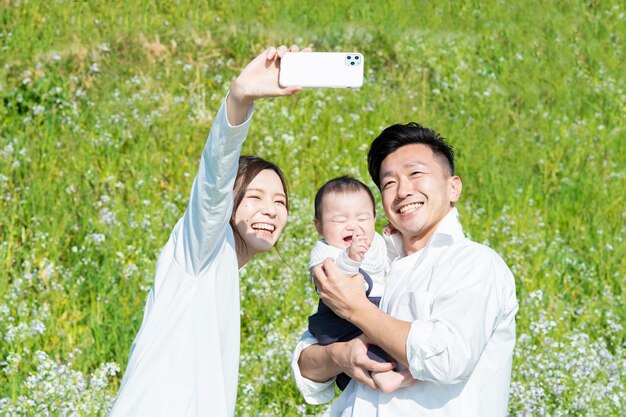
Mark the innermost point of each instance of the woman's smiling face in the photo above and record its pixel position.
(262, 213)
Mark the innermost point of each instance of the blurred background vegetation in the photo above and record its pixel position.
(105, 109)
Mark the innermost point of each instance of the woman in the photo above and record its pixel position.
(185, 358)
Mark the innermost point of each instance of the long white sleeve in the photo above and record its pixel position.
(185, 358)
(445, 347)
(313, 392)
(210, 206)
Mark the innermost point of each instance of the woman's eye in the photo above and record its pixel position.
(387, 185)
(281, 202)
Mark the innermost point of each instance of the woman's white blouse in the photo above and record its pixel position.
(185, 359)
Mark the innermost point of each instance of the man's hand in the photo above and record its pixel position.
(342, 294)
(351, 357)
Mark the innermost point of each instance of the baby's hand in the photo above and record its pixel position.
(359, 246)
(389, 229)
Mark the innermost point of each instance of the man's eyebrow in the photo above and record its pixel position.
(412, 164)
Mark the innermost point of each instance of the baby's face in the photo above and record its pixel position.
(343, 214)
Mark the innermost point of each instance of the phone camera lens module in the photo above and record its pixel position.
(356, 57)
(349, 57)
(351, 63)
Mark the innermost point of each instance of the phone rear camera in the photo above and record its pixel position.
(351, 63)
(349, 57)
(356, 57)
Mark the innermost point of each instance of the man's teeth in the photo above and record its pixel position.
(410, 207)
(263, 226)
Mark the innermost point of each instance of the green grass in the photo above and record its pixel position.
(105, 109)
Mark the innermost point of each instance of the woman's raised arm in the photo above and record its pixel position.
(205, 221)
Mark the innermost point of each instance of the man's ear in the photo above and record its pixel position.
(456, 186)
(318, 226)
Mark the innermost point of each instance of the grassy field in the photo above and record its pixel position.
(105, 109)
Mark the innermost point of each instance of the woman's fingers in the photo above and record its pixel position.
(282, 50)
(270, 53)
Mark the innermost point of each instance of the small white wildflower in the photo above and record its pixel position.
(7, 151)
(97, 238)
(12, 363)
(37, 327)
(107, 216)
(38, 109)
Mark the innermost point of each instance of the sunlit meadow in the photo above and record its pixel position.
(105, 109)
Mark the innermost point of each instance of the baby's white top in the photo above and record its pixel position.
(375, 262)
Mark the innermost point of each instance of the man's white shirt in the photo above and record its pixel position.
(460, 298)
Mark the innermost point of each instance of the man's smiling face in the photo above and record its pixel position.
(417, 189)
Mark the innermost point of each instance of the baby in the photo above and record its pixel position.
(345, 216)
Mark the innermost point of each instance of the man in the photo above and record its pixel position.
(448, 312)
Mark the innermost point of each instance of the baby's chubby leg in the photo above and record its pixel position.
(392, 380)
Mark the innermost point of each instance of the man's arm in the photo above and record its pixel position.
(316, 364)
(321, 363)
(383, 330)
(446, 346)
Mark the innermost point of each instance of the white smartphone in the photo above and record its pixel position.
(321, 69)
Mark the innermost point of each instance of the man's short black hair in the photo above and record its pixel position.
(399, 135)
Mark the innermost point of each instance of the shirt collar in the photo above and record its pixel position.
(449, 229)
